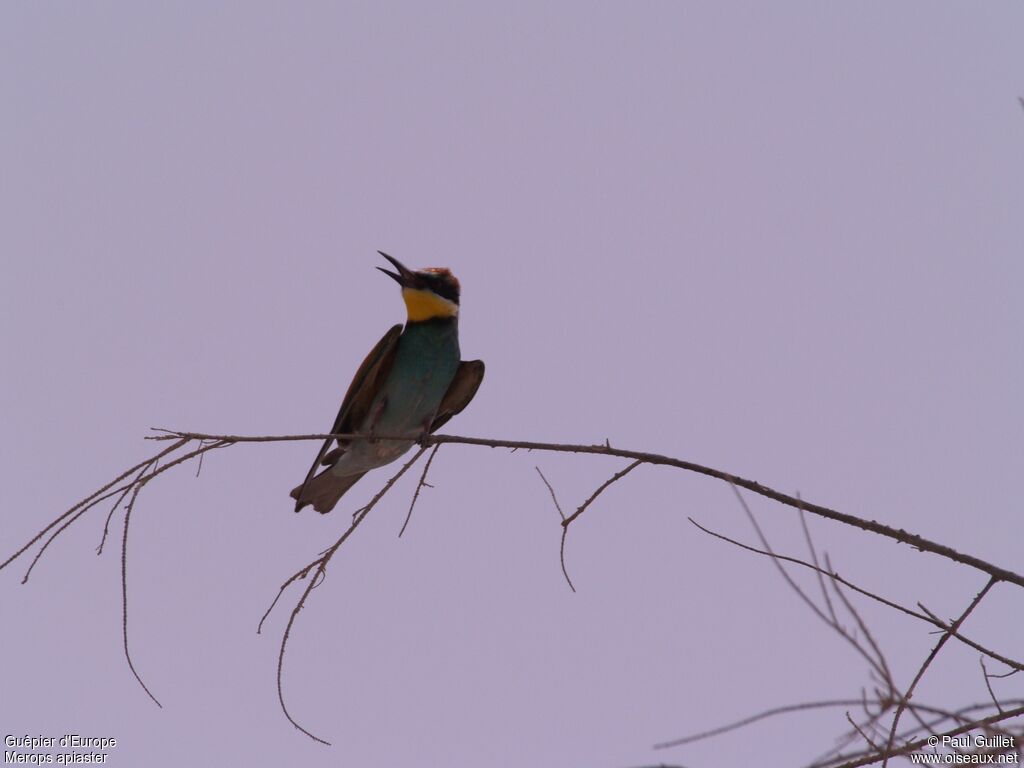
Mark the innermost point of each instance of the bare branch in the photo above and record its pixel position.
(884, 666)
(423, 482)
(1004, 674)
(924, 667)
(297, 576)
(60, 529)
(92, 498)
(814, 559)
(863, 735)
(100, 495)
(896, 534)
(875, 663)
(565, 530)
(913, 746)
(110, 514)
(860, 637)
(764, 715)
(199, 468)
(988, 684)
(926, 617)
(124, 591)
(600, 489)
(959, 718)
(321, 571)
(551, 490)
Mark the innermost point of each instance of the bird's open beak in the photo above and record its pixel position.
(404, 277)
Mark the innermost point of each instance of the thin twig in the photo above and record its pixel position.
(1004, 674)
(883, 665)
(113, 509)
(423, 482)
(863, 735)
(814, 559)
(600, 489)
(297, 576)
(91, 498)
(913, 746)
(926, 617)
(941, 715)
(60, 529)
(899, 535)
(924, 667)
(551, 490)
(567, 521)
(321, 570)
(136, 487)
(755, 718)
(877, 660)
(211, 442)
(838, 628)
(565, 530)
(124, 590)
(988, 685)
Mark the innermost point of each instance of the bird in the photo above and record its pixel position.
(410, 384)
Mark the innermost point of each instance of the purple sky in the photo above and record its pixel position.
(781, 239)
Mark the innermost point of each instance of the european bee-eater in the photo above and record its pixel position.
(411, 383)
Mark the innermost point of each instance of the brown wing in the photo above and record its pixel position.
(462, 389)
(365, 384)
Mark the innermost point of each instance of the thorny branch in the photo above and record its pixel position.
(93, 499)
(124, 593)
(590, 500)
(565, 529)
(896, 534)
(913, 746)
(320, 564)
(567, 521)
(134, 487)
(131, 482)
(928, 717)
(419, 486)
(905, 699)
(834, 575)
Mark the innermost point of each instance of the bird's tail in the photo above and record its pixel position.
(323, 491)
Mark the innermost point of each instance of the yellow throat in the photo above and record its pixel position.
(427, 305)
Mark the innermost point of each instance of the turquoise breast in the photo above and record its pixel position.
(425, 363)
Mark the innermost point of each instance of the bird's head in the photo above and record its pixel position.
(428, 293)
